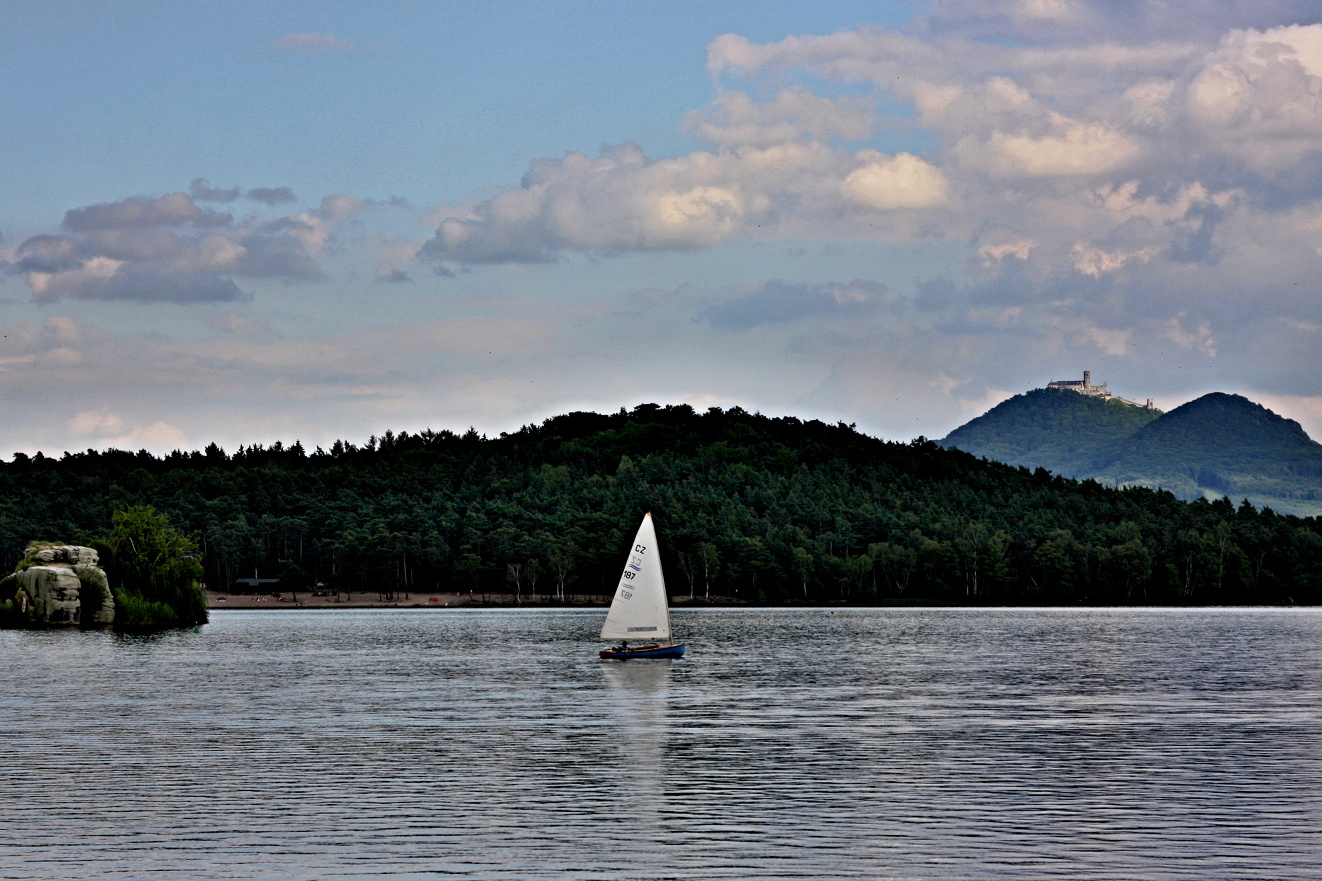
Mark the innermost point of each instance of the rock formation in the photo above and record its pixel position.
(64, 586)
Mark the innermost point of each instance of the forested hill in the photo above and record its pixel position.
(1217, 445)
(1222, 444)
(1056, 429)
(747, 507)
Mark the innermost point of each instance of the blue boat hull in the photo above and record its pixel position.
(659, 651)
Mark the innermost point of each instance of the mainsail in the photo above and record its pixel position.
(640, 610)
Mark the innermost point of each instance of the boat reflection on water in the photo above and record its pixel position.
(631, 683)
(639, 709)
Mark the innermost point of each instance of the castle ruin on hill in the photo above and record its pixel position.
(1094, 391)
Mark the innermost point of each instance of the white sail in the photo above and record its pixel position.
(640, 610)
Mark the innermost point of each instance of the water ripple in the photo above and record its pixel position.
(906, 744)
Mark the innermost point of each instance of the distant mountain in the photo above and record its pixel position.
(1055, 429)
(1221, 445)
(1217, 445)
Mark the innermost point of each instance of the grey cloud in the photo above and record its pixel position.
(936, 294)
(778, 302)
(136, 244)
(392, 275)
(147, 284)
(239, 326)
(140, 211)
(271, 195)
(1195, 243)
(47, 253)
(1291, 187)
(168, 249)
(202, 191)
(341, 207)
(276, 256)
(1123, 21)
(470, 241)
(285, 224)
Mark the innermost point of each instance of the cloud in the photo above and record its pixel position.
(168, 249)
(95, 423)
(795, 114)
(624, 201)
(100, 279)
(311, 42)
(272, 195)
(201, 191)
(1145, 202)
(1030, 130)
(392, 275)
(778, 302)
(341, 207)
(1044, 185)
(176, 209)
(1129, 21)
(239, 326)
(1257, 99)
(1076, 149)
(107, 430)
(889, 182)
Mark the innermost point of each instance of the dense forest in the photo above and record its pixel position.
(749, 508)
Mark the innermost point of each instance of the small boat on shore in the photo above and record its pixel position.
(640, 609)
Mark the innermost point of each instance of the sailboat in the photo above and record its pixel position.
(640, 609)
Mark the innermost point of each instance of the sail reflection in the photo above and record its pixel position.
(639, 712)
(639, 679)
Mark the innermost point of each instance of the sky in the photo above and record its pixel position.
(243, 222)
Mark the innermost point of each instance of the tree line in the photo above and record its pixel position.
(749, 508)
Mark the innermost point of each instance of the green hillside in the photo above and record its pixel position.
(749, 508)
(1219, 445)
(1055, 429)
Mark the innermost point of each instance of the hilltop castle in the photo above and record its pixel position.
(1093, 391)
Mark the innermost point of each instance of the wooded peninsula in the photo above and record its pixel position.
(749, 509)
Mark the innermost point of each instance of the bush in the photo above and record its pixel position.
(155, 567)
(93, 592)
(133, 612)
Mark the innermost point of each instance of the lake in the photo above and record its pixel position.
(790, 743)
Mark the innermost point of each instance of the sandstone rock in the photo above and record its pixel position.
(52, 593)
(73, 555)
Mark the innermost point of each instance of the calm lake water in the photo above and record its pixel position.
(805, 743)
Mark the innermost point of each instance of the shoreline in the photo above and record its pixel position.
(370, 600)
(219, 599)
